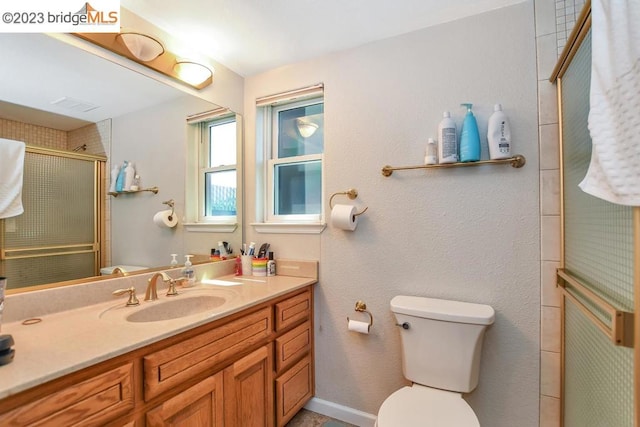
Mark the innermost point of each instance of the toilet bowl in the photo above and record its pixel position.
(420, 406)
(441, 347)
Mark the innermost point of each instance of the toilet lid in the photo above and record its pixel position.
(420, 406)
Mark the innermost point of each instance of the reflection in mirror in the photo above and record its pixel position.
(64, 98)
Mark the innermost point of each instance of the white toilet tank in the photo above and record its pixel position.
(441, 346)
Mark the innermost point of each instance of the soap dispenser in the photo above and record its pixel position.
(174, 261)
(188, 273)
(470, 137)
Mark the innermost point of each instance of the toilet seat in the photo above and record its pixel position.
(420, 406)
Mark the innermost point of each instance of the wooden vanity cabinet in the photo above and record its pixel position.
(250, 369)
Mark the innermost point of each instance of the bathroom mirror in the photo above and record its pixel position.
(52, 89)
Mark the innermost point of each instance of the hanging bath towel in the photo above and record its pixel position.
(11, 171)
(614, 116)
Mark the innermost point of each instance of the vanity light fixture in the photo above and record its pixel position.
(306, 128)
(193, 73)
(141, 48)
(144, 47)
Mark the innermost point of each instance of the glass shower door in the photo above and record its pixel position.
(57, 236)
(597, 275)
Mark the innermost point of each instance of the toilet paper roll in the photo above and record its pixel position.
(165, 219)
(344, 217)
(358, 326)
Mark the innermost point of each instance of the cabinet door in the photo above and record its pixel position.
(294, 388)
(248, 388)
(201, 405)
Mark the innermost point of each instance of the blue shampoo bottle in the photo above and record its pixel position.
(120, 179)
(470, 137)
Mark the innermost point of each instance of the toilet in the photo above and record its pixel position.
(441, 347)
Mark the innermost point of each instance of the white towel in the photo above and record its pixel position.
(614, 116)
(11, 171)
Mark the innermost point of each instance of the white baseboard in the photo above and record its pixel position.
(340, 412)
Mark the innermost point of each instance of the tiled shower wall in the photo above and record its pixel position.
(33, 134)
(555, 20)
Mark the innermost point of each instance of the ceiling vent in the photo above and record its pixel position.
(74, 104)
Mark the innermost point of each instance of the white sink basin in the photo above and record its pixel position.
(186, 303)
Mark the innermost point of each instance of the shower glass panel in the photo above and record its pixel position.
(598, 250)
(56, 238)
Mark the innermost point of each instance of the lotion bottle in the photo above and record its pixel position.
(188, 273)
(447, 140)
(499, 134)
(129, 175)
(470, 137)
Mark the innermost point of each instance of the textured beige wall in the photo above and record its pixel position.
(470, 234)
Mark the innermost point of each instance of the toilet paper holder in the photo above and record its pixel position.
(362, 307)
(171, 204)
(351, 193)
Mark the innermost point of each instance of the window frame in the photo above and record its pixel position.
(272, 160)
(203, 169)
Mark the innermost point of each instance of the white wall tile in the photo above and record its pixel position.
(549, 411)
(549, 146)
(551, 295)
(550, 330)
(550, 374)
(550, 232)
(550, 192)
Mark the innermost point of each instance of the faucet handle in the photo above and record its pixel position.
(172, 288)
(133, 300)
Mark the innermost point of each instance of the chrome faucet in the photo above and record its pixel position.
(152, 288)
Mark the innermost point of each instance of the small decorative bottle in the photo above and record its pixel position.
(431, 156)
(136, 183)
(271, 265)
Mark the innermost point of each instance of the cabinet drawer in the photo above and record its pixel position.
(293, 310)
(292, 345)
(93, 402)
(178, 363)
(293, 389)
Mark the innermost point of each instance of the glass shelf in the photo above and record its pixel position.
(153, 190)
(516, 161)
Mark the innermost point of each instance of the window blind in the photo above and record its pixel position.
(292, 95)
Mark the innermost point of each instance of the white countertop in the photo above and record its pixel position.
(70, 340)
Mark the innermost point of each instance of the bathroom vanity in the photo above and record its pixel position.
(248, 364)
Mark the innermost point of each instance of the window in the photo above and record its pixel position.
(294, 168)
(217, 175)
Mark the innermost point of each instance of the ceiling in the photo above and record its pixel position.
(36, 70)
(248, 36)
(251, 36)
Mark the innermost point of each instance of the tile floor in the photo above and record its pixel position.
(306, 418)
